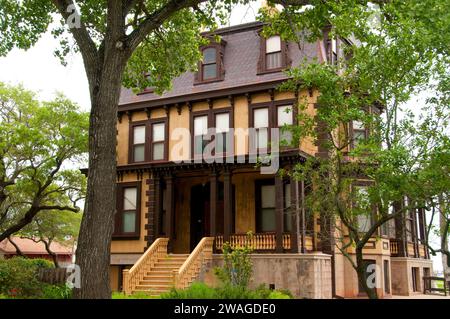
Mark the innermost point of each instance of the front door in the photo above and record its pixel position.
(200, 212)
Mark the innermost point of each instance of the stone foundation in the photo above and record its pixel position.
(402, 275)
(305, 275)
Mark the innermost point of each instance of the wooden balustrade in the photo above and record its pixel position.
(190, 269)
(260, 241)
(132, 277)
(393, 245)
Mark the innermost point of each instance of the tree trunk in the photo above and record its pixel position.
(51, 253)
(93, 251)
(361, 272)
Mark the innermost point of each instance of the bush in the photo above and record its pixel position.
(200, 290)
(237, 265)
(137, 295)
(56, 291)
(18, 277)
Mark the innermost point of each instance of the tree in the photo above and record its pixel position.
(120, 41)
(53, 226)
(38, 141)
(401, 48)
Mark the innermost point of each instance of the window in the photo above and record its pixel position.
(158, 141)
(284, 119)
(275, 114)
(211, 67)
(289, 211)
(221, 120)
(209, 64)
(128, 210)
(273, 55)
(267, 211)
(200, 131)
(139, 143)
(359, 132)
(273, 52)
(148, 141)
(222, 124)
(365, 214)
(261, 125)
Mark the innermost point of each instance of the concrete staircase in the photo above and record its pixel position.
(160, 278)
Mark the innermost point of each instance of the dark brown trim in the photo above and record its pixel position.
(170, 210)
(262, 62)
(220, 68)
(279, 213)
(201, 96)
(227, 204)
(118, 216)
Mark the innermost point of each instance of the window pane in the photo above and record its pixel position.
(358, 125)
(200, 125)
(158, 132)
(222, 122)
(268, 196)
(267, 219)
(198, 144)
(285, 115)
(209, 71)
(139, 153)
(364, 223)
(261, 117)
(209, 55)
(287, 195)
(129, 222)
(221, 142)
(129, 198)
(273, 44)
(158, 151)
(358, 136)
(139, 134)
(273, 60)
(261, 138)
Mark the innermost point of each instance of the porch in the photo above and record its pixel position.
(228, 201)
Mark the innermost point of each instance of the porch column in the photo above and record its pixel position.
(169, 210)
(400, 231)
(158, 205)
(213, 188)
(227, 205)
(295, 229)
(279, 203)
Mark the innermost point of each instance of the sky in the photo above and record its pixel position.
(37, 69)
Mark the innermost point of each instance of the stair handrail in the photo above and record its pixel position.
(201, 255)
(133, 276)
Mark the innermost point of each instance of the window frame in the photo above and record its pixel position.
(148, 145)
(118, 217)
(220, 68)
(262, 62)
(259, 183)
(211, 122)
(353, 145)
(131, 145)
(272, 107)
(374, 212)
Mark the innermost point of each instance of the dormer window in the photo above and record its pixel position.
(273, 55)
(209, 64)
(210, 68)
(273, 52)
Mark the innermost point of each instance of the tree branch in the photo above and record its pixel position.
(155, 20)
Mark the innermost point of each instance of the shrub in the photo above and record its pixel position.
(18, 277)
(197, 290)
(56, 291)
(237, 265)
(136, 295)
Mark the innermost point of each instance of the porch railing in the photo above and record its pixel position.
(201, 255)
(260, 241)
(133, 276)
(393, 244)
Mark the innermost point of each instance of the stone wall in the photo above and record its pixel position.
(305, 275)
(401, 269)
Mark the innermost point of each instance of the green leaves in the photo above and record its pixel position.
(39, 142)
